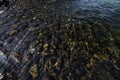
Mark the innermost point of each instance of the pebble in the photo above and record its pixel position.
(23, 26)
(46, 45)
(33, 71)
(13, 32)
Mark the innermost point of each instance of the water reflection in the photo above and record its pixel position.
(105, 9)
(1, 11)
(2, 59)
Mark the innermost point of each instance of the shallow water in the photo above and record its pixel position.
(107, 11)
(1, 11)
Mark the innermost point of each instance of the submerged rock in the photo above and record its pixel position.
(34, 71)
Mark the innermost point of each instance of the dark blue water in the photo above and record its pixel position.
(107, 10)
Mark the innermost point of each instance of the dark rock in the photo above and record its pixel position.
(23, 26)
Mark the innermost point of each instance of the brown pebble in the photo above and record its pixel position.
(13, 32)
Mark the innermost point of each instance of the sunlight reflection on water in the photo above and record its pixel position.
(1, 11)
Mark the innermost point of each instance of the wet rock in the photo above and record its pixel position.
(46, 45)
(23, 73)
(34, 71)
(9, 40)
(23, 26)
(13, 32)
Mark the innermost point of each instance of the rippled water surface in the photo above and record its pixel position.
(108, 10)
